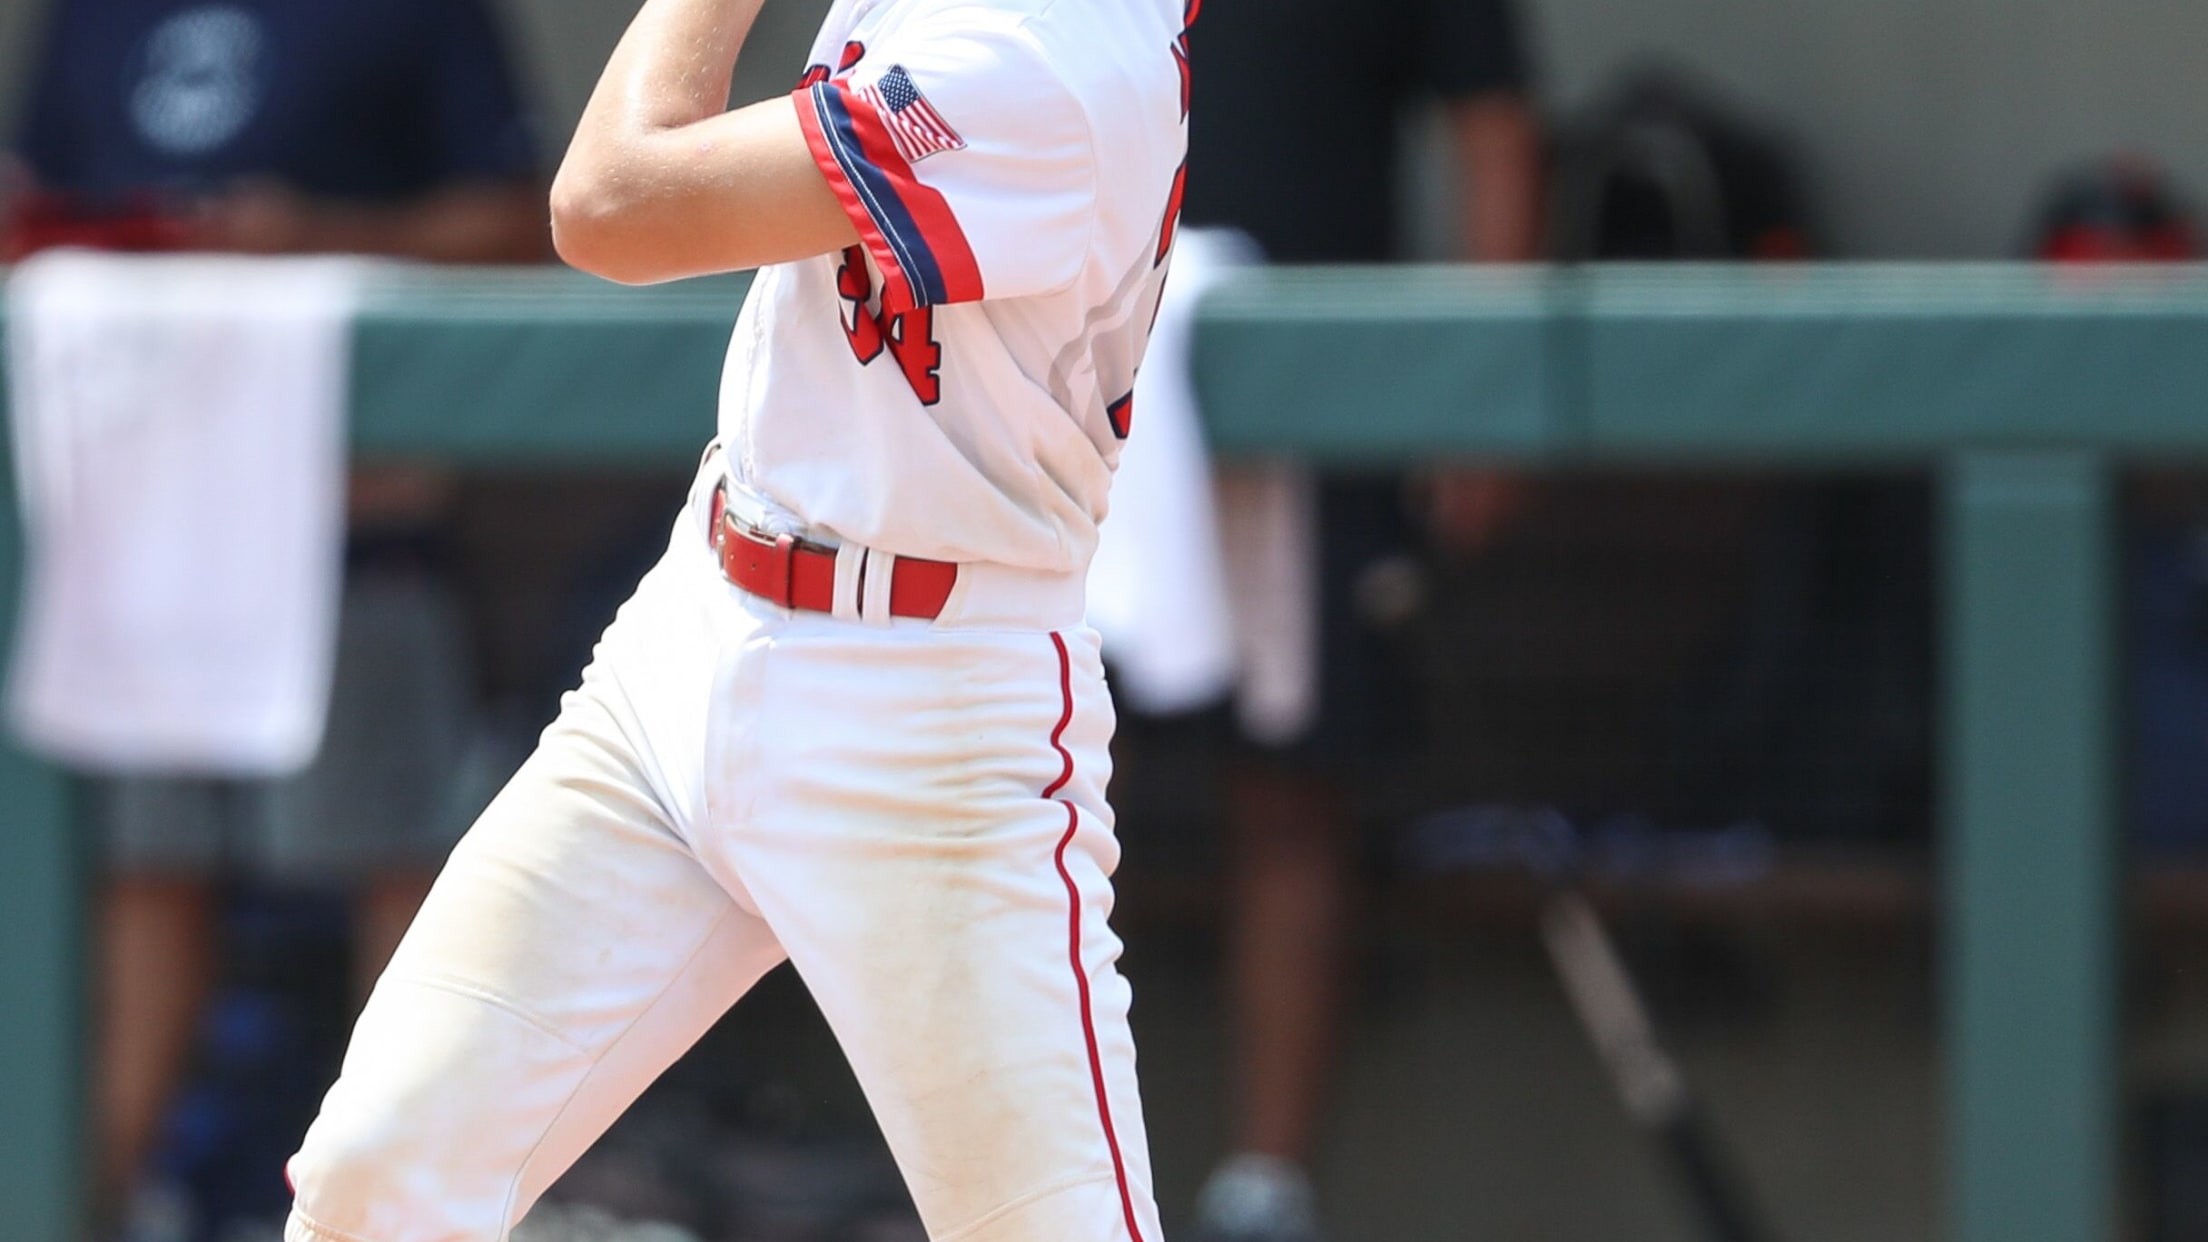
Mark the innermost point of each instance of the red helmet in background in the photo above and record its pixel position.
(2121, 211)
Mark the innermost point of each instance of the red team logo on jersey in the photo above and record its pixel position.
(893, 106)
(909, 336)
(916, 130)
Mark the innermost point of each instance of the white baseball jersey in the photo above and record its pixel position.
(956, 388)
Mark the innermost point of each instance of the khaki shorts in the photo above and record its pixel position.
(402, 771)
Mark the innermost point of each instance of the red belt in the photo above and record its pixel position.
(792, 573)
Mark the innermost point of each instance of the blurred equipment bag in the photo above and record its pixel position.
(1662, 168)
(179, 449)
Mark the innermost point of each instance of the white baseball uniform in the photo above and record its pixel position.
(912, 811)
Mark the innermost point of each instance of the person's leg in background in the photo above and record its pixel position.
(1292, 860)
(1291, 882)
(158, 955)
(157, 966)
(404, 765)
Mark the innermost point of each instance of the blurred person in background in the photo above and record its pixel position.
(379, 127)
(278, 127)
(1308, 162)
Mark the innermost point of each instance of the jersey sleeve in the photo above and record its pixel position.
(962, 156)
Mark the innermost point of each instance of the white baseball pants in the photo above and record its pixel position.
(913, 814)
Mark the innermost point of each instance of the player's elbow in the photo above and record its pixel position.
(601, 228)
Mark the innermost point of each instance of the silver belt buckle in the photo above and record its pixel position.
(756, 516)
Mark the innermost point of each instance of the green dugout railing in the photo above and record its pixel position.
(2023, 389)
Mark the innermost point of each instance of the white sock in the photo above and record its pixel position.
(1260, 1195)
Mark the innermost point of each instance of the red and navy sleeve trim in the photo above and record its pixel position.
(908, 227)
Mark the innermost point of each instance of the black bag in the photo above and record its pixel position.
(1660, 168)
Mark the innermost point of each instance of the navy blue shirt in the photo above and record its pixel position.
(1294, 138)
(368, 101)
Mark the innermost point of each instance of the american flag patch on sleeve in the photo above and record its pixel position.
(914, 125)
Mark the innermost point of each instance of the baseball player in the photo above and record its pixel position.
(852, 718)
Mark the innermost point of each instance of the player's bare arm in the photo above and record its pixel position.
(662, 181)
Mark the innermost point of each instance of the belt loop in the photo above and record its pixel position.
(881, 571)
(850, 572)
(785, 572)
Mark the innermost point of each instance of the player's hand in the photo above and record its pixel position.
(1468, 509)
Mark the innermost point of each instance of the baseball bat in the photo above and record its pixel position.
(1647, 1079)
